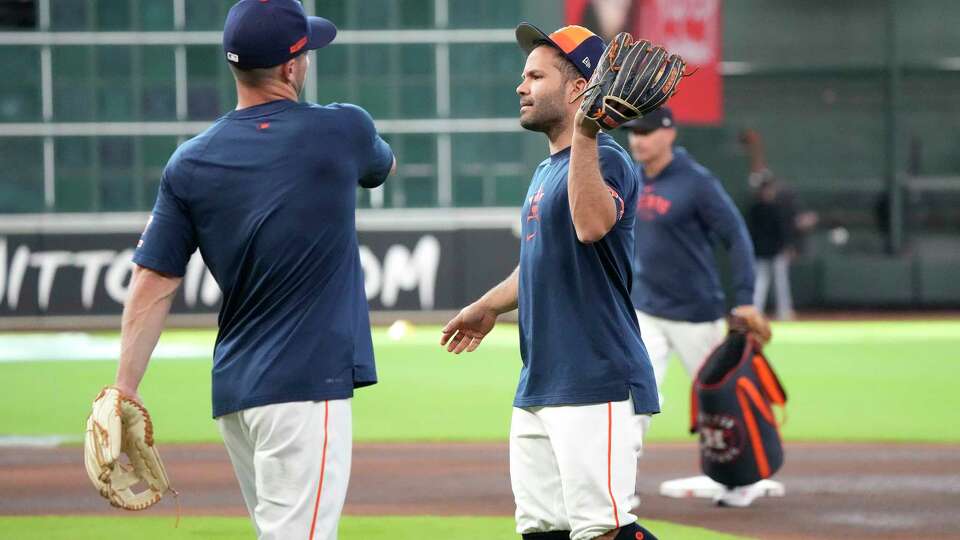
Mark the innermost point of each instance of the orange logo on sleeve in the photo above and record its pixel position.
(534, 213)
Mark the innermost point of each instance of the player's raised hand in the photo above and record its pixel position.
(585, 125)
(465, 331)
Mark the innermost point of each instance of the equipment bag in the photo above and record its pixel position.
(731, 409)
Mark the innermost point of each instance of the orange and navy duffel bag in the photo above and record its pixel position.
(732, 410)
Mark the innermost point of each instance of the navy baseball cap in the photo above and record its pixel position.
(652, 121)
(267, 33)
(581, 46)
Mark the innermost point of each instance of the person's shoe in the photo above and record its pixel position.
(634, 531)
(743, 496)
(738, 497)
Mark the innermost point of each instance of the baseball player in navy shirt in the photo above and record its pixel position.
(268, 193)
(586, 387)
(682, 211)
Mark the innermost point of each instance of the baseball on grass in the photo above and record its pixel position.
(399, 330)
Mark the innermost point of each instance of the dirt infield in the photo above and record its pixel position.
(848, 491)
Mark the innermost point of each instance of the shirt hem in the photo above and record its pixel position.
(671, 316)
(260, 401)
(579, 399)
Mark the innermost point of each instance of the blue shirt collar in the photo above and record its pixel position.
(262, 109)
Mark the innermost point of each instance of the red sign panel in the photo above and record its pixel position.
(690, 28)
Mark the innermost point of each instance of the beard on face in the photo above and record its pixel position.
(545, 116)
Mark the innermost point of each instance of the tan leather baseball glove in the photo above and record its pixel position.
(120, 426)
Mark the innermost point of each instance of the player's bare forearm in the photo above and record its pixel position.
(592, 208)
(503, 297)
(144, 314)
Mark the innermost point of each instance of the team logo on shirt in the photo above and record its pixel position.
(650, 205)
(533, 215)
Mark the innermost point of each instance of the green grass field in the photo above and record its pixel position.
(847, 381)
(351, 528)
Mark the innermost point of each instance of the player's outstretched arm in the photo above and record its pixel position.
(721, 216)
(144, 313)
(592, 207)
(465, 331)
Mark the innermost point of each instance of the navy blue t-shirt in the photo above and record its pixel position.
(681, 213)
(268, 194)
(579, 338)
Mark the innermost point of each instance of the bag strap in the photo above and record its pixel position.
(769, 381)
(746, 393)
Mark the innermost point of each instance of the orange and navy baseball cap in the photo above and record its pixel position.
(267, 33)
(581, 46)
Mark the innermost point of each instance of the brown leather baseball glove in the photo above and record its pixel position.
(749, 319)
(632, 79)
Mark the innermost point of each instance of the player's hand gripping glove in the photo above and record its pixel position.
(632, 79)
(749, 320)
(119, 426)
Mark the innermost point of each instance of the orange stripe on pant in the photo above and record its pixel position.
(616, 514)
(323, 466)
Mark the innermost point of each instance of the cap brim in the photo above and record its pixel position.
(638, 123)
(529, 37)
(648, 123)
(322, 32)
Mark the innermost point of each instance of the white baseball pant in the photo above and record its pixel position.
(692, 341)
(574, 467)
(776, 269)
(293, 464)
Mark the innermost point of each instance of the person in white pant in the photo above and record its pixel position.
(268, 195)
(586, 387)
(682, 212)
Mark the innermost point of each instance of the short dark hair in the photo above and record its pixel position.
(566, 67)
(255, 76)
